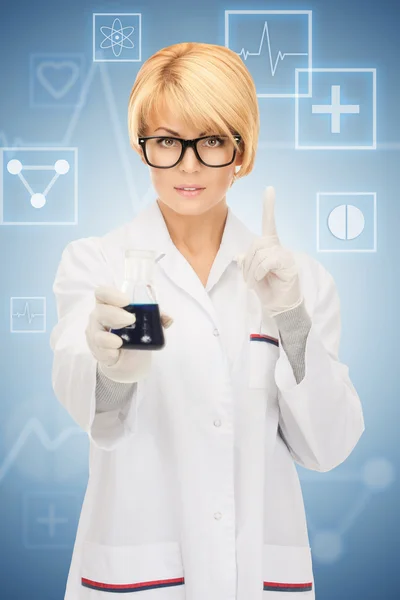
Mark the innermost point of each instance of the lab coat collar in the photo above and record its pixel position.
(154, 234)
(235, 239)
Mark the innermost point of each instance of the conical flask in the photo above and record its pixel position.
(147, 332)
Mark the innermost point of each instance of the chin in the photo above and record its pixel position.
(190, 206)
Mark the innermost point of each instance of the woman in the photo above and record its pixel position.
(193, 491)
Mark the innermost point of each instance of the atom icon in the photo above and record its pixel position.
(115, 38)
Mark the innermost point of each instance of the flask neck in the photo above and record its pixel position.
(139, 269)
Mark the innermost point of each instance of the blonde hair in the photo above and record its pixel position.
(207, 85)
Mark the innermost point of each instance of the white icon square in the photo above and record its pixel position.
(346, 222)
(28, 314)
(341, 114)
(272, 43)
(117, 37)
(55, 80)
(38, 186)
(49, 519)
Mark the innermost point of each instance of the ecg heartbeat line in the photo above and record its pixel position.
(34, 427)
(31, 316)
(280, 56)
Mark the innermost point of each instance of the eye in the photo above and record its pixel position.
(215, 139)
(161, 140)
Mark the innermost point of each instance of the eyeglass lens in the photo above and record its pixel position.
(214, 151)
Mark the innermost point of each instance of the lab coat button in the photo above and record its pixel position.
(217, 515)
(217, 423)
(216, 332)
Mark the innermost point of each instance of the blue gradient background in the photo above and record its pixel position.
(43, 455)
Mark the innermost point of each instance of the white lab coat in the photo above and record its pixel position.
(193, 493)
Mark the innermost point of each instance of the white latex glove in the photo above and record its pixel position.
(118, 364)
(269, 268)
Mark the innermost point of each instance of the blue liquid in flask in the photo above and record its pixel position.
(147, 332)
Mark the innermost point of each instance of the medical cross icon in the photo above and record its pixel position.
(51, 520)
(330, 88)
(335, 109)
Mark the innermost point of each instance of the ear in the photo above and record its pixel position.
(239, 154)
(239, 159)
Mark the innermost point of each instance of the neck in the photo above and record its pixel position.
(196, 234)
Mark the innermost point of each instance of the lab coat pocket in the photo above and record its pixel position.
(154, 569)
(287, 569)
(263, 354)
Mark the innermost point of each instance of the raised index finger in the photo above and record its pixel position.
(268, 216)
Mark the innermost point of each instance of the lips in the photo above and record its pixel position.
(196, 187)
(189, 193)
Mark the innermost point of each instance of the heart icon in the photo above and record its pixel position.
(44, 74)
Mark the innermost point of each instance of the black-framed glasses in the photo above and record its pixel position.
(164, 152)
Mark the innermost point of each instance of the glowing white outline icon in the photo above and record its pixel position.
(32, 521)
(321, 195)
(280, 55)
(44, 91)
(48, 84)
(116, 37)
(122, 42)
(16, 314)
(335, 107)
(38, 200)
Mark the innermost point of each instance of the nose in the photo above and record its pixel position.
(189, 160)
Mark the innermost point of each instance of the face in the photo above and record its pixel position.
(189, 171)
